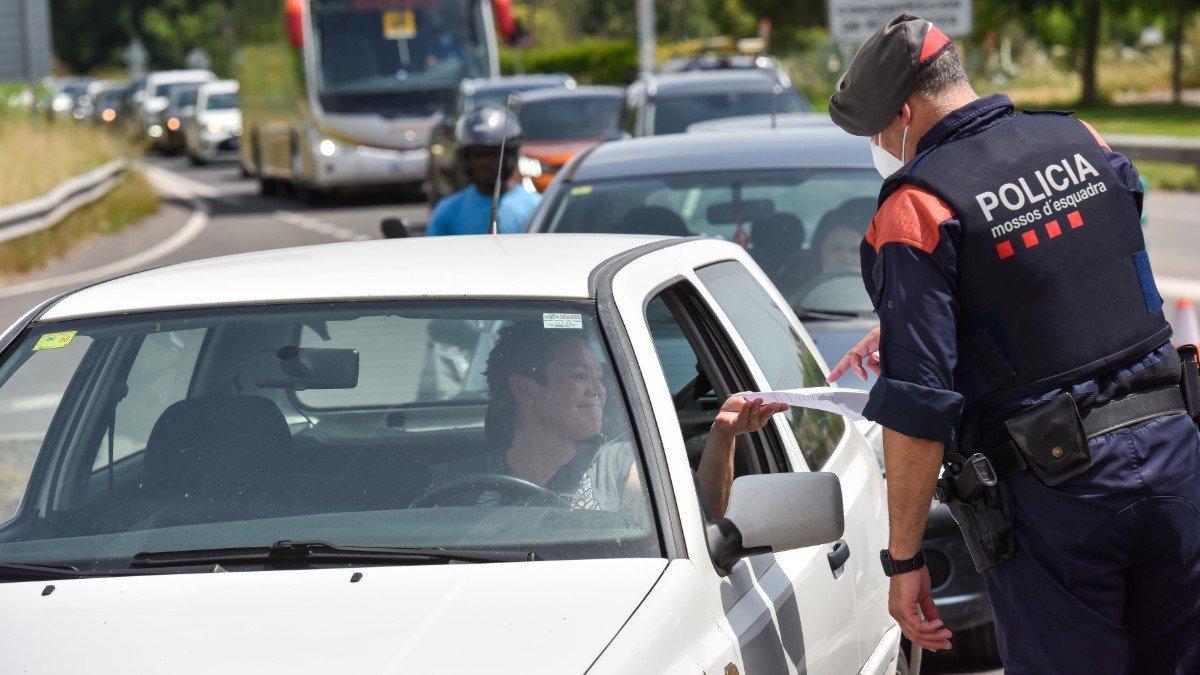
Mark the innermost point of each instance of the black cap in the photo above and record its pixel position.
(882, 73)
(487, 126)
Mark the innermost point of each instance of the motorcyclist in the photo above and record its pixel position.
(480, 132)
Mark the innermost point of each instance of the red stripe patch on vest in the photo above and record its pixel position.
(1075, 218)
(1030, 238)
(1096, 135)
(1004, 249)
(935, 42)
(1053, 229)
(910, 216)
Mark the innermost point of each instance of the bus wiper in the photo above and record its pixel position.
(301, 553)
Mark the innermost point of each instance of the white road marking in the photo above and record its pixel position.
(194, 225)
(318, 226)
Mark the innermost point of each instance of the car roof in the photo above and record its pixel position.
(515, 83)
(166, 76)
(705, 81)
(750, 122)
(795, 148)
(507, 266)
(220, 86)
(590, 91)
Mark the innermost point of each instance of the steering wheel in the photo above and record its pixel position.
(511, 489)
(834, 292)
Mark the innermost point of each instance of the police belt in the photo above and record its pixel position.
(1007, 459)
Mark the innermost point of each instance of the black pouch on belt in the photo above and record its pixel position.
(1189, 381)
(1052, 439)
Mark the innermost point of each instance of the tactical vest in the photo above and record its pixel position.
(1054, 284)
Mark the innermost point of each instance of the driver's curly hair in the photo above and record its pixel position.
(523, 348)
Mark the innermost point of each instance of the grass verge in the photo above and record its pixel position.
(39, 155)
(131, 200)
(1170, 176)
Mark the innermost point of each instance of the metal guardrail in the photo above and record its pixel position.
(1157, 148)
(48, 210)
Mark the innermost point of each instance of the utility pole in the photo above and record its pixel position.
(645, 33)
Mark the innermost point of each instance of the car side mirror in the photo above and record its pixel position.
(777, 512)
(394, 228)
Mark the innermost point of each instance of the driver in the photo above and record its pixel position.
(546, 418)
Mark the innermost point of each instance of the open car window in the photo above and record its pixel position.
(458, 424)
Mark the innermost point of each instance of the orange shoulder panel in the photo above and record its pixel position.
(1095, 135)
(910, 215)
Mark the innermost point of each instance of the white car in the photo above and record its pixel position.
(307, 459)
(213, 131)
(156, 96)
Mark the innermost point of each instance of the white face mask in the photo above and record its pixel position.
(885, 162)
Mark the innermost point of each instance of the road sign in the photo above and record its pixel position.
(853, 21)
(136, 57)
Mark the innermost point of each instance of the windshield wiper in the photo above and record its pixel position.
(35, 572)
(301, 553)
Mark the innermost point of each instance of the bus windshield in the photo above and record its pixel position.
(392, 46)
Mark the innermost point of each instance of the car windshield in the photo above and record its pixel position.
(222, 101)
(674, 114)
(456, 424)
(184, 97)
(388, 46)
(568, 118)
(803, 227)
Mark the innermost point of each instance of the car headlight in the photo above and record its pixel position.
(213, 128)
(173, 124)
(327, 148)
(529, 167)
(154, 131)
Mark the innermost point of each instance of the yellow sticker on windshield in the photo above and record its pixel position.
(581, 190)
(399, 24)
(54, 340)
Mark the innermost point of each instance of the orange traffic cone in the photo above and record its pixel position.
(1186, 325)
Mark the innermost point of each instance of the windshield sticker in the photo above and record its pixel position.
(581, 190)
(399, 24)
(559, 320)
(54, 340)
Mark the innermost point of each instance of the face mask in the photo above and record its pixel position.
(885, 162)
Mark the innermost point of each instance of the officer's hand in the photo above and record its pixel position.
(866, 348)
(910, 592)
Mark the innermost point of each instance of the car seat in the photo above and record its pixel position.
(657, 220)
(214, 446)
(776, 244)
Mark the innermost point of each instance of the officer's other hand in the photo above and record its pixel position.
(910, 593)
(866, 348)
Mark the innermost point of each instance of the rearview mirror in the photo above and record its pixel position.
(394, 228)
(747, 209)
(301, 368)
(777, 512)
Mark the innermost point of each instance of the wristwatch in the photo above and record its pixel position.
(892, 567)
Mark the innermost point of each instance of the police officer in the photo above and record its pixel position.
(1022, 343)
(480, 132)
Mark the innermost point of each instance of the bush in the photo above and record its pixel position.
(589, 62)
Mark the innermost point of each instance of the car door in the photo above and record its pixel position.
(820, 441)
(789, 612)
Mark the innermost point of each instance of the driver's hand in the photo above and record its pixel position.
(740, 416)
(866, 348)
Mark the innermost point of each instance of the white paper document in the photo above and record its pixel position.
(848, 402)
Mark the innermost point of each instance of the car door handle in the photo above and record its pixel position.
(838, 556)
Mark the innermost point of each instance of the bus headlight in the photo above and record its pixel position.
(327, 148)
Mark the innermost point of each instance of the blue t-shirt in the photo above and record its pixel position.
(469, 211)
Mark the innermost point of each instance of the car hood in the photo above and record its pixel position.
(556, 153)
(224, 118)
(539, 617)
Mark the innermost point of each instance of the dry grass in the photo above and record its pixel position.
(130, 201)
(39, 155)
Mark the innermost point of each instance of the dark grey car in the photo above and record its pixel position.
(799, 199)
(660, 104)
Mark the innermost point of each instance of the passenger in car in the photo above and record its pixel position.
(545, 422)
